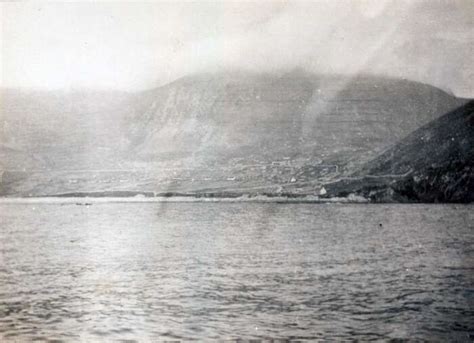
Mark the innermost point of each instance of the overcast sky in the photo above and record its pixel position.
(134, 45)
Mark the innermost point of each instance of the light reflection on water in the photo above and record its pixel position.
(236, 270)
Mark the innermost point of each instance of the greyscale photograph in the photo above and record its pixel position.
(237, 171)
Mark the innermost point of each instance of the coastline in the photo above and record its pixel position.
(88, 201)
(160, 199)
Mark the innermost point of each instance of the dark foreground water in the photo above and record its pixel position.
(150, 271)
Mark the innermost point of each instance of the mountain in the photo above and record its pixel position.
(63, 130)
(433, 164)
(219, 132)
(217, 117)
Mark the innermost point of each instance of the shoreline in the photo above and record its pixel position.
(162, 199)
(88, 201)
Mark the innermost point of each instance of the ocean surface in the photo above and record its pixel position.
(161, 271)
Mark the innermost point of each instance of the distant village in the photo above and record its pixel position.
(237, 172)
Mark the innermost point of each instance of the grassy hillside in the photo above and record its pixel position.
(433, 164)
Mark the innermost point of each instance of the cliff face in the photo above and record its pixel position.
(267, 117)
(433, 164)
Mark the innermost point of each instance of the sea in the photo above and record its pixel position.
(151, 271)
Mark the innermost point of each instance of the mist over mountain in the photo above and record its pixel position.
(236, 131)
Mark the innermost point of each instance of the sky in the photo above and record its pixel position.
(138, 45)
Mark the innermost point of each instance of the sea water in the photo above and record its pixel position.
(158, 271)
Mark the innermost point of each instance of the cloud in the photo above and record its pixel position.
(138, 45)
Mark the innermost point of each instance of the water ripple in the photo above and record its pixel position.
(133, 272)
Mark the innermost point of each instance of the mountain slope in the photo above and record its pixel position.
(265, 117)
(62, 130)
(433, 164)
(220, 132)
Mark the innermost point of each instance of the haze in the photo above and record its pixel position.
(133, 45)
